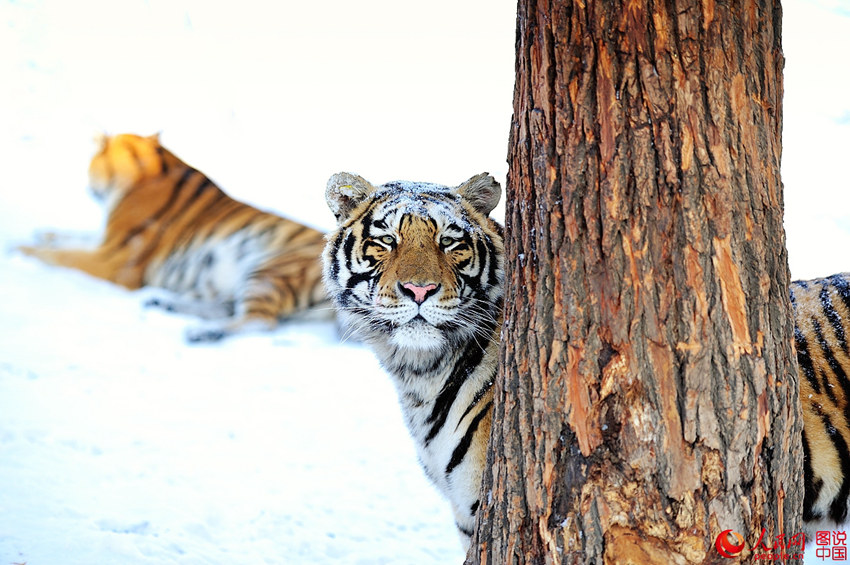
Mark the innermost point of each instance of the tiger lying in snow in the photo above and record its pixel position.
(170, 226)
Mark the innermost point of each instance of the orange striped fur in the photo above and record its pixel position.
(821, 313)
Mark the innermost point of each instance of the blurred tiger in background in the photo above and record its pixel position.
(416, 271)
(169, 226)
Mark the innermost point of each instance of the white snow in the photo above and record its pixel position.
(119, 443)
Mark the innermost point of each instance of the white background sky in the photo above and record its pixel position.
(120, 444)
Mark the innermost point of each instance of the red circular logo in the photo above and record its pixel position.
(729, 544)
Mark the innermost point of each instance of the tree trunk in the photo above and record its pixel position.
(648, 394)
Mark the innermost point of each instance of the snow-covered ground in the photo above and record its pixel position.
(121, 444)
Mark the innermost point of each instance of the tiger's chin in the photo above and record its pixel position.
(419, 336)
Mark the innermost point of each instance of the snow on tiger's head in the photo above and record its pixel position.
(123, 161)
(417, 266)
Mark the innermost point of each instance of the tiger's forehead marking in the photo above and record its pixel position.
(435, 202)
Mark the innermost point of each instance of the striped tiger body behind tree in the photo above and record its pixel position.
(416, 270)
(169, 226)
(821, 330)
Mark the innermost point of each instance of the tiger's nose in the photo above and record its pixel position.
(417, 292)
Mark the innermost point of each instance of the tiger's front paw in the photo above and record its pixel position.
(44, 241)
(66, 240)
(30, 250)
(161, 303)
(39, 252)
(205, 334)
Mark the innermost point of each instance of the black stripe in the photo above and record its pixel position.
(190, 233)
(464, 531)
(344, 300)
(249, 221)
(466, 364)
(492, 257)
(333, 255)
(477, 398)
(163, 166)
(296, 232)
(474, 508)
(372, 261)
(172, 198)
(842, 286)
(838, 508)
(833, 317)
(347, 251)
(285, 290)
(416, 370)
(812, 488)
(482, 252)
(833, 363)
(358, 278)
(804, 359)
(202, 186)
(462, 447)
(472, 282)
(347, 248)
(265, 299)
(366, 223)
(163, 226)
(268, 230)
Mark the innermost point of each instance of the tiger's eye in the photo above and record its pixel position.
(388, 239)
(445, 241)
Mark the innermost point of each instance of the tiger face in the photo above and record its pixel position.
(122, 161)
(415, 265)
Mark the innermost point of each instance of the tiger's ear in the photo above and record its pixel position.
(482, 191)
(101, 140)
(345, 191)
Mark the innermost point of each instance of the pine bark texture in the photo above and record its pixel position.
(648, 394)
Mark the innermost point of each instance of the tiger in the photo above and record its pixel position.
(821, 312)
(417, 270)
(170, 227)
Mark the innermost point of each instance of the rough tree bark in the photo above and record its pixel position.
(648, 393)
